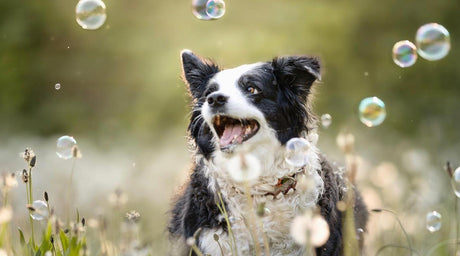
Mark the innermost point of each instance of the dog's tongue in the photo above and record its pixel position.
(231, 132)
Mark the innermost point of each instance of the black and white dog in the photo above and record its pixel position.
(254, 109)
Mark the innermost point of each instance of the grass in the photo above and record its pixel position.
(119, 233)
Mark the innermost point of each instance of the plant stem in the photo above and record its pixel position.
(252, 220)
(223, 210)
(30, 201)
(402, 228)
(457, 202)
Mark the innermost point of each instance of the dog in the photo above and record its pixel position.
(254, 110)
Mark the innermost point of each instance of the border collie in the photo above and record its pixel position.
(255, 110)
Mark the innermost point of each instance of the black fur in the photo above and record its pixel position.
(284, 85)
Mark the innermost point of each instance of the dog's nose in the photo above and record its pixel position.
(216, 99)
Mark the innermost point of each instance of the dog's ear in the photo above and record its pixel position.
(297, 72)
(197, 72)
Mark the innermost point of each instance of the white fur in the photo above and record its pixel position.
(265, 147)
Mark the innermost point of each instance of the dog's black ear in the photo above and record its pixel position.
(297, 72)
(197, 72)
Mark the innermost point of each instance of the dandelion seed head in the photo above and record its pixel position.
(190, 241)
(6, 214)
(299, 228)
(9, 181)
(319, 230)
(346, 142)
(244, 168)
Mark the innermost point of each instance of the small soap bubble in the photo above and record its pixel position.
(65, 146)
(366, 73)
(433, 221)
(90, 14)
(326, 120)
(199, 9)
(297, 152)
(57, 86)
(215, 8)
(433, 41)
(244, 168)
(404, 54)
(372, 111)
(40, 211)
(456, 182)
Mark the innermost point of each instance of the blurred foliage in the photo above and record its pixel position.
(125, 77)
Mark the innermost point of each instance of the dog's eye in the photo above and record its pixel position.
(252, 90)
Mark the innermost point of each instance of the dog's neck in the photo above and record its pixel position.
(277, 176)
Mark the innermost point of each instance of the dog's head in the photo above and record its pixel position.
(247, 106)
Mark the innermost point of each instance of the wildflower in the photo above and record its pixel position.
(310, 229)
(25, 176)
(118, 198)
(132, 216)
(3, 253)
(9, 181)
(190, 241)
(6, 214)
(346, 142)
(28, 154)
(244, 167)
(319, 231)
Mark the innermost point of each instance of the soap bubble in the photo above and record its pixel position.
(215, 8)
(90, 14)
(199, 9)
(404, 54)
(244, 167)
(296, 152)
(65, 146)
(40, 211)
(372, 111)
(433, 41)
(326, 120)
(57, 86)
(456, 182)
(433, 221)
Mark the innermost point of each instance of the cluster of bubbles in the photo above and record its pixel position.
(40, 210)
(90, 14)
(297, 152)
(208, 9)
(372, 111)
(433, 221)
(65, 145)
(433, 43)
(326, 120)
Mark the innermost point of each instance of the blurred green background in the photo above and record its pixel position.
(121, 89)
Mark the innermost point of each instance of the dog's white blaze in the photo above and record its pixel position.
(237, 105)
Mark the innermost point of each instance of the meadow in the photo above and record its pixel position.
(121, 97)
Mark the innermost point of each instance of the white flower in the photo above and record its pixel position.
(6, 214)
(244, 167)
(310, 229)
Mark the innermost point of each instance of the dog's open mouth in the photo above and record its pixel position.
(234, 131)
